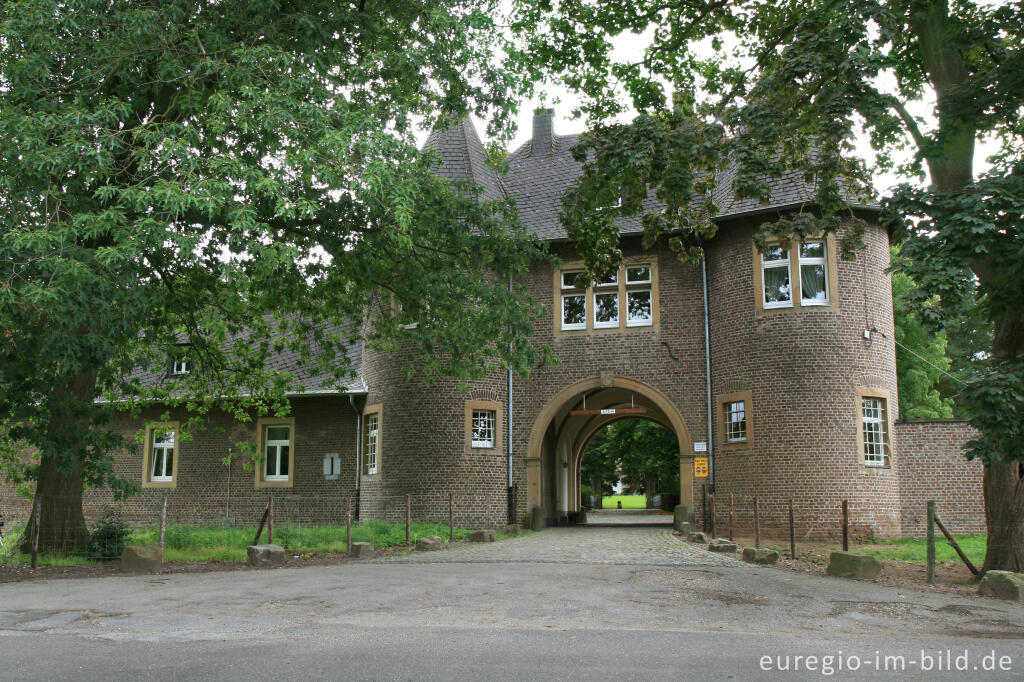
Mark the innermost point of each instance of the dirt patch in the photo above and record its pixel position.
(812, 557)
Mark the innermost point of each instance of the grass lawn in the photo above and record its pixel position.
(915, 549)
(628, 502)
(219, 543)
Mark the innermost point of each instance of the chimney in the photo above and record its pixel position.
(542, 143)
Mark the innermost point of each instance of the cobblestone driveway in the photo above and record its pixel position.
(580, 545)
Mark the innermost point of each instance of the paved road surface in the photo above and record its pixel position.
(657, 611)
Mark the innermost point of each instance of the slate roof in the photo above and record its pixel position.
(306, 373)
(539, 174)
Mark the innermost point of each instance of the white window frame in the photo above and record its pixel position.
(874, 431)
(816, 260)
(608, 287)
(162, 442)
(276, 444)
(773, 264)
(571, 290)
(488, 421)
(730, 423)
(182, 366)
(372, 445)
(639, 286)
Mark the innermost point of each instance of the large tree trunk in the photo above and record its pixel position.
(62, 528)
(1004, 514)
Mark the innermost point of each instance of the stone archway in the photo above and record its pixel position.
(562, 430)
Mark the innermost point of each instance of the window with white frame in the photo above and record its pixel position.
(574, 302)
(162, 456)
(181, 366)
(639, 309)
(606, 302)
(775, 277)
(372, 444)
(736, 421)
(875, 434)
(276, 452)
(813, 274)
(483, 425)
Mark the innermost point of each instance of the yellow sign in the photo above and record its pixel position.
(700, 467)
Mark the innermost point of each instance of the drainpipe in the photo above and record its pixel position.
(707, 363)
(508, 441)
(359, 446)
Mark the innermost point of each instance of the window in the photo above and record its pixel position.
(799, 275)
(160, 456)
(371, 440)
(623, 299)
(276, 453)
(735, 420)
(875, 435)
(483, 424)
(775, 269)
(182, 366)
(813, 282)
(277, 448)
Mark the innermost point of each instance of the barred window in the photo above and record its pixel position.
(483, 428)
(876, 438)
(736, 421)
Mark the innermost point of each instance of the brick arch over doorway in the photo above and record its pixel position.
(553, 448)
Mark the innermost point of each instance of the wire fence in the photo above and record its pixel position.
(187, 528)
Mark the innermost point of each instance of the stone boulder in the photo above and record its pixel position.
(265, 556)
(1002, 585)
(697, 537)
(486, 535)
(514, 529)
(722, 546)
(362, 550)
(850, 565)
(136, 559)
(760, 555)
(684, 528)
(431, 543)
(681, 515)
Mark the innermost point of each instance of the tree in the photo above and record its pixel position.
(784, 87)
(223, 180)
(638, 451)
(920, 356)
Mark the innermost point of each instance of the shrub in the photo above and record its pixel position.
(107, 540)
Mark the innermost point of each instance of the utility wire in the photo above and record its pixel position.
(920, 357)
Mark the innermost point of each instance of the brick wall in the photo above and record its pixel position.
(933, 467)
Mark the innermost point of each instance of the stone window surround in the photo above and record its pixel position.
(261, 437)
(874, 392)
(723, 400)
(498, 410)
(649, 260)
(147, 456)
(832, 283)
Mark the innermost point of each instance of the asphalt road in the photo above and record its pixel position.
(651, 614)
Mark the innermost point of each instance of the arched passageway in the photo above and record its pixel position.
(561, 432)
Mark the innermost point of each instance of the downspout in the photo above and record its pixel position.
(359, 447)
(707, 363)
(508, 441)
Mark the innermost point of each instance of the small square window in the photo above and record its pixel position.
(569, 279)
(483, 425)
(639, 275)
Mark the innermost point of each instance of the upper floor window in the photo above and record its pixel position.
(875, 434)
(801, 274)
(625, 298)
(181, 366)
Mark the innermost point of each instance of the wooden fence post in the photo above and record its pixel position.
(731, 517)
(846, 527)
(163, 528)
(931, 543)
(270, 521)
(408, 519)
(348, 524)
(36, 513)
(792, 532)
(451, 518)
(757, 523)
